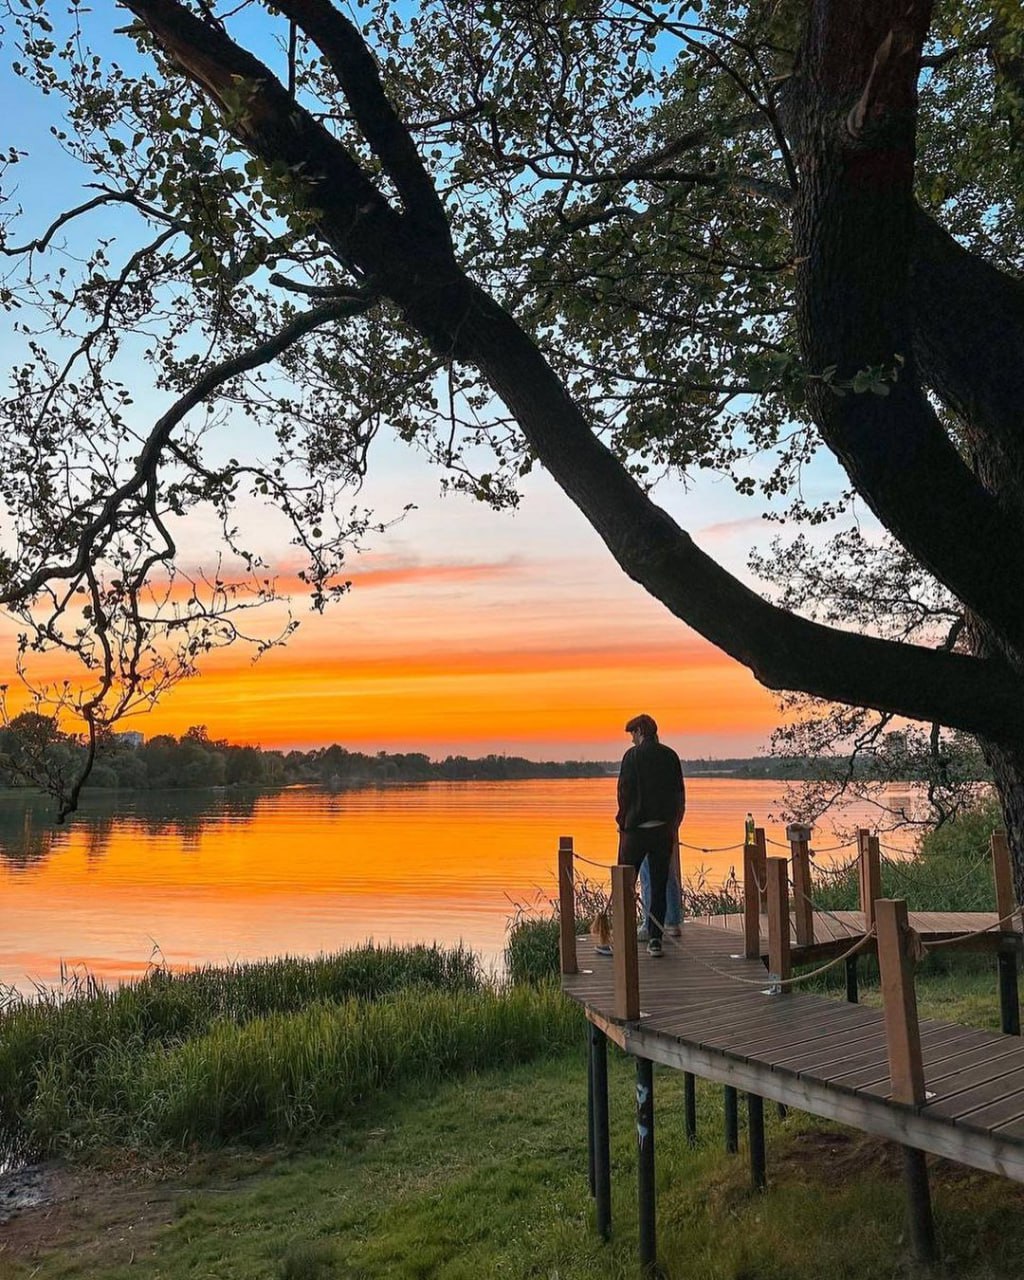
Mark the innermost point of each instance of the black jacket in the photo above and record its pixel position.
(651, 786)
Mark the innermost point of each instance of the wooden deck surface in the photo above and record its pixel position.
(707, 1010)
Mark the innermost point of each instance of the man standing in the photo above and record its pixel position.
(652, 800)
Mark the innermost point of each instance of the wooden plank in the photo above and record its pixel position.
(959, 1105)
(1003, 1112)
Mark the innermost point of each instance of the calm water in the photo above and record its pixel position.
(188, 878)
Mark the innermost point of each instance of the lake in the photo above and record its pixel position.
(186, 878)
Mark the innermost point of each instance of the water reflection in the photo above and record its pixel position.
(28, 833)
(209, 877)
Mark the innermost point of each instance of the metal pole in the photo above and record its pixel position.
(755, 1127)
(690, 1106)
(602, 1152)
(852, 993)
(645, 1160)
(590, 1109)
(732, 1121)
(1009, 1001)
(919, 1205)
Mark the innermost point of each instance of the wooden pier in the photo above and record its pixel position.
(720, 1003)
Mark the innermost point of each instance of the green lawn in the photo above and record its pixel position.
(486, 1176)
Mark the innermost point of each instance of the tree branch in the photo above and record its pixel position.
(156, 442)
(339, 40)
(784, 651)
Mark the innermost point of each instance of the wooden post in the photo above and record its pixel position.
(1002, 873)
(690, 1106)
(761, 857)
(1009, 998)
(645, 1163)
(798, 836)
(566, 907)
(1006, 905)
(627, 976)
(778, 919)
(852, 992)
(906, 1069)
(869, 874)
(899, 1003)
(602, 1152)
(752, 904)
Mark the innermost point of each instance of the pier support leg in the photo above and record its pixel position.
(852, 992)
(690, 1106)
(755, 1131)
(732, 1121)
(1009, 1000)
(602, 1150)
(645, 1162)
(590, 1108)
(919, 1205)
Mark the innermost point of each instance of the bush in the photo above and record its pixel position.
(531, 952)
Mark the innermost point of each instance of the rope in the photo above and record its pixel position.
(775, 981)
(831, 848)
(836, 873)
(722, 848)
(604, 866)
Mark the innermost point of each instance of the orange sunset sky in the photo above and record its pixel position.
(468, 631)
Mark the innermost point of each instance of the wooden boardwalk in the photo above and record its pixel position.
(834, 931)
(707, 1010)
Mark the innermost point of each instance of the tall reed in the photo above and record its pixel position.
(56, 1050)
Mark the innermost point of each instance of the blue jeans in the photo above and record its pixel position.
(673, 894)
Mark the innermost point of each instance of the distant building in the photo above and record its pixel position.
(131, 739)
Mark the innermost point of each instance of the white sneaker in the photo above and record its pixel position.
(642, 934)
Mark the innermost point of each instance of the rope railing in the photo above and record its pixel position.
(773, 979)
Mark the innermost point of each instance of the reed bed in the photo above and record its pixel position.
(282, 1075)
(75, 1065)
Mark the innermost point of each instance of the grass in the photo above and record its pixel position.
(255, 1052)
(486, 1176)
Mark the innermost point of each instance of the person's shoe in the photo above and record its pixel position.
(673, 930)
(654, 947)
(642, 934)
(602, 949)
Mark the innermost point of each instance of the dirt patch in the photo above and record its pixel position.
(94, 1214)
(819, 1154)
(109, 1214)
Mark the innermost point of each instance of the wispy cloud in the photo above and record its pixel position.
(724, 530)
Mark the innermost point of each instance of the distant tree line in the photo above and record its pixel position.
(33, 749)
(887, 765)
